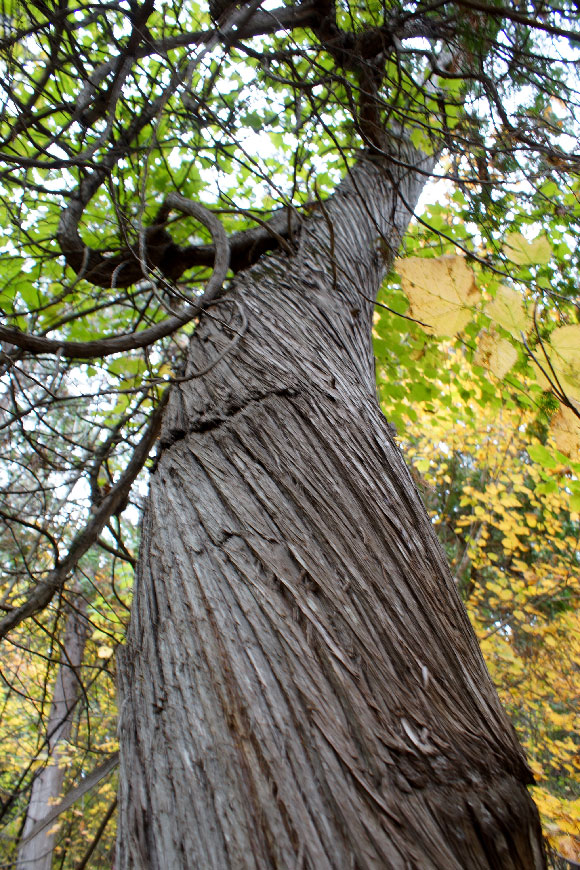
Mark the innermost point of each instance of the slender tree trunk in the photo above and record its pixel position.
(36, 854)
(301, 687)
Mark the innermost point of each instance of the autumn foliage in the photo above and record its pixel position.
(496, 459)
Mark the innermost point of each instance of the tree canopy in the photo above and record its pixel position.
(151, 152)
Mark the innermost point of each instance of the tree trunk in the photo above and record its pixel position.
(36, 854)
(301, 687)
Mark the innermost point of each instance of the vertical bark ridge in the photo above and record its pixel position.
(301, 687)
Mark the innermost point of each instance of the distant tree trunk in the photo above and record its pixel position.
(301, 687)
(36, 854)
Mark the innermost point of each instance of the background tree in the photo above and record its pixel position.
(47, 785)
(50, 747)
(324, 702)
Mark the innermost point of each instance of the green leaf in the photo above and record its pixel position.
(575, 502)
(546, 488)
(524, 253)
(540, 454)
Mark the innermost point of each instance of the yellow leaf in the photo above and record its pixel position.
(565, 429)
(507, 309)
(566, 342)
(525, 253)
(104, 652)
(440, 291)
(565, 359)
(495, 353)
(568, 846)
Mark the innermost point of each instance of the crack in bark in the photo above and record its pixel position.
(214, 420)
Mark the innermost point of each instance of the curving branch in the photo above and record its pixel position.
(221, 244)
(245, 248)
(156, 249)
(101, 347)
(161, 252)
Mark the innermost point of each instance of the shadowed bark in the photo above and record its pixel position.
(301, 687)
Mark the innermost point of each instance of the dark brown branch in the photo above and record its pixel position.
(125, 268)
(246, 246)
(125, 555)
(100, 347)
(245, 249)
(506, 12)
(131, 341)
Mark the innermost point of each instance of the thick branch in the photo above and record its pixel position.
(126, 268)
(131, 341)
(156, 248)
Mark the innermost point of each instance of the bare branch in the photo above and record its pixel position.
(72, 796)
(43, 593)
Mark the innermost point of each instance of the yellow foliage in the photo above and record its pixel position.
(25, 716)
(565, 358)
(513, 542)
(495, 353)
(565, 427)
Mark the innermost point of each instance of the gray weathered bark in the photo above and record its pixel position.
(36, 854)
(301, 687)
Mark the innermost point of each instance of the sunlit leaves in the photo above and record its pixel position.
(507, 310)
(495, 353)
(445, 300)
(565, 428)
(440, 291)
(524, 253)
(565, 358)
